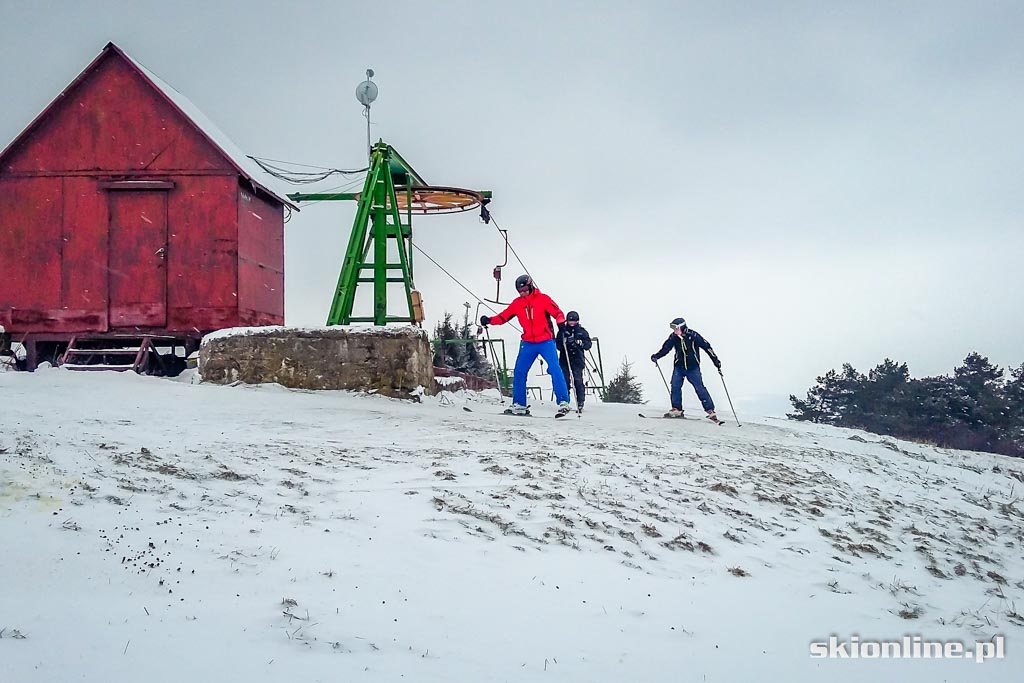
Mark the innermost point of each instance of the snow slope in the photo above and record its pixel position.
(159, 530)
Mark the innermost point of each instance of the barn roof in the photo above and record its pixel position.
(242, 163)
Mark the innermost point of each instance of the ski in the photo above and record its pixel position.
(691, 419)
(557, 416)
(665, 417)
(508, 411)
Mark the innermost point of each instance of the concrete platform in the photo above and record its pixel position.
(392, 361)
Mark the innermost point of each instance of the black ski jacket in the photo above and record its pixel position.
(687, 354)
(573, 334)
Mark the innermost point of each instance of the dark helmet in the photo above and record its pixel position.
(678, 322)
(572, 315)
(524, 281)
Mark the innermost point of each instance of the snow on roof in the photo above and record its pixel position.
(245, 165)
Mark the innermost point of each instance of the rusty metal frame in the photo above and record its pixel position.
(435, 199)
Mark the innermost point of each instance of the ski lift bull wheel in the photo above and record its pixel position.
(434, 200)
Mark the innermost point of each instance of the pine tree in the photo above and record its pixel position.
(833, 400)
(443, 357)
(1013, 390)
(476, 362)
(980, 399)
(463, 356)
(928, 409)
(979, 403)
(883, 398)
(624, 387)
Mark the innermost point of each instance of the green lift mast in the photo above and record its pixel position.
(377, 221)
(391, 186)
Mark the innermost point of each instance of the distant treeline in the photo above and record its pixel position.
(977, 408)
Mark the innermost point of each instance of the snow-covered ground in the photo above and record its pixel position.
(158, 530)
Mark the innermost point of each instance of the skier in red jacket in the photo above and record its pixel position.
(533, 307)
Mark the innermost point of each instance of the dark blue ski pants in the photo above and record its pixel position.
(693, 375)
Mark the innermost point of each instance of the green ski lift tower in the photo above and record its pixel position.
(392, 194)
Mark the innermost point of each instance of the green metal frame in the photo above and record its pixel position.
(598, 367)
(378, 220)
(504, 376)
(591, 367)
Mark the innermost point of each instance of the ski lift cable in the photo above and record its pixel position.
(299, 177)
(340, 188)
(468, 290)
(306, 174)
(319, 168)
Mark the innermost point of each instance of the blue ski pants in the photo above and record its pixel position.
(528, 352)
(692, 374)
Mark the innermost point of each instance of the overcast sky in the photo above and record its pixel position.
(807, 183)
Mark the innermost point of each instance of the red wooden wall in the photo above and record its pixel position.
(199, 254)
(260, 261)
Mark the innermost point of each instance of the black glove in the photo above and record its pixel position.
(485, 320)
(561, 329)
(654, 358)
(718, 363)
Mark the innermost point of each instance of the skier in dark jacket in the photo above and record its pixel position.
(572, 346)
(686, 365)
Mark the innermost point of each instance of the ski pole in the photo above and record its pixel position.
(729, 397)
(682, 396)
(569, 389)
(664, 381)
(570, 379)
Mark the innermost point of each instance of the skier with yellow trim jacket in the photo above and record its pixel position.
(687, 344)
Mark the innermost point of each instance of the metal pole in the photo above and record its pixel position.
(729, 397)
(600, 366)
(379, 230)
(497, 381)
(369, 147)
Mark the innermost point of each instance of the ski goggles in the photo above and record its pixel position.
(677, 327)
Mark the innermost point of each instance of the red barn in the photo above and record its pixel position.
(124, 212)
